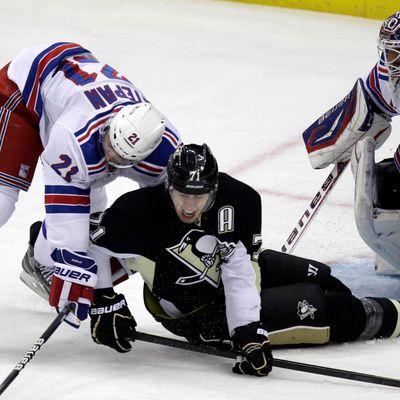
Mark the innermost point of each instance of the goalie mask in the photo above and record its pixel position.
(389, 48)
(193, 170)
(135, 132)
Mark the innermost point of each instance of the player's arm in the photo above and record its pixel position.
(112, 323)
(330, 139)
(66, 227)
(242, 299)
(242, 302)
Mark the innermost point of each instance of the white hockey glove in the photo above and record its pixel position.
(331, 138)
(379, 227)
(73, 282)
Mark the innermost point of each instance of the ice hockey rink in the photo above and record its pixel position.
(246, 80)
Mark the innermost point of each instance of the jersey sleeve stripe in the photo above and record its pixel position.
(145, 171)
(61, 189)
(63, 209)
(149, 167)
(375, 92)
(65, 199)
(172, 137)
(9, 180)
(99, 166)
(397, 158)
(41, 67)
(13, 101)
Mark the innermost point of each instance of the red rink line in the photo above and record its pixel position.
(302, 198)
(263, 157)
(278, 151)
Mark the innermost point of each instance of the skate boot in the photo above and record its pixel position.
(36, 276)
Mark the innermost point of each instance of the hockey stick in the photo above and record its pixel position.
(278, 363)
(314, 207)
(36, 347)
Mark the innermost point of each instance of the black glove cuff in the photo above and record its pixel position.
(109, 292)
(244, 333)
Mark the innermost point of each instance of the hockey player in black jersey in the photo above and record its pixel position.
(196, 242)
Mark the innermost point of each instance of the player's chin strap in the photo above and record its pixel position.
(313, 208)
(36, 346)
(277, 363)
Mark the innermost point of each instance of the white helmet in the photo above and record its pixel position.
(136, 130)
(389, 48)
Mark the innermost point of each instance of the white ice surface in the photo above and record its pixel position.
(247, 80)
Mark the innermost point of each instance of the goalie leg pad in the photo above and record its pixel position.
(378, 227)
(331, 138)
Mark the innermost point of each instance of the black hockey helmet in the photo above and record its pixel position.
(193, 169)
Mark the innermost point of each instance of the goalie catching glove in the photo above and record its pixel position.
(252, 340)
(112, 324)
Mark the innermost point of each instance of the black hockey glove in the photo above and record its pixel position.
(112, 324)
(252, 340)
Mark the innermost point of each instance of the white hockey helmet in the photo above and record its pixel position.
(389, 47)
(135, 131)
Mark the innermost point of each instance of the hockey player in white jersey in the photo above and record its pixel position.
(93, 125)
(353, 129)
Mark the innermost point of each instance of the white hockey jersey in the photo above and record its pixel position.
(378, 88)
(387, 101)
(73, 95)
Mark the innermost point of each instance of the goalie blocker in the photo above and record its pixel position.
(377, 205)
(331, 138)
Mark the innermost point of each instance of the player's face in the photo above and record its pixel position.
(392, 62)
(393, 57)
(111, 155)
(188, 207)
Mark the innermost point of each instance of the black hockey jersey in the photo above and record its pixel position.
(187, 266)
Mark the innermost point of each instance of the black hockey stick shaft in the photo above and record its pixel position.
(36, 347)
(313, 208)
(277, 363)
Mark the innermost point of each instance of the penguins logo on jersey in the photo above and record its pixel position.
(304, 310)
(201, 253)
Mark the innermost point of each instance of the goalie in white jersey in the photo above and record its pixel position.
(89, 124)
(353, 129)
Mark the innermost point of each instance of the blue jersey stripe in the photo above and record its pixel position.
(60, 189)
(64, 209)
(33, 72)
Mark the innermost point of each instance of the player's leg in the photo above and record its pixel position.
(278, 269)
(303, 314)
